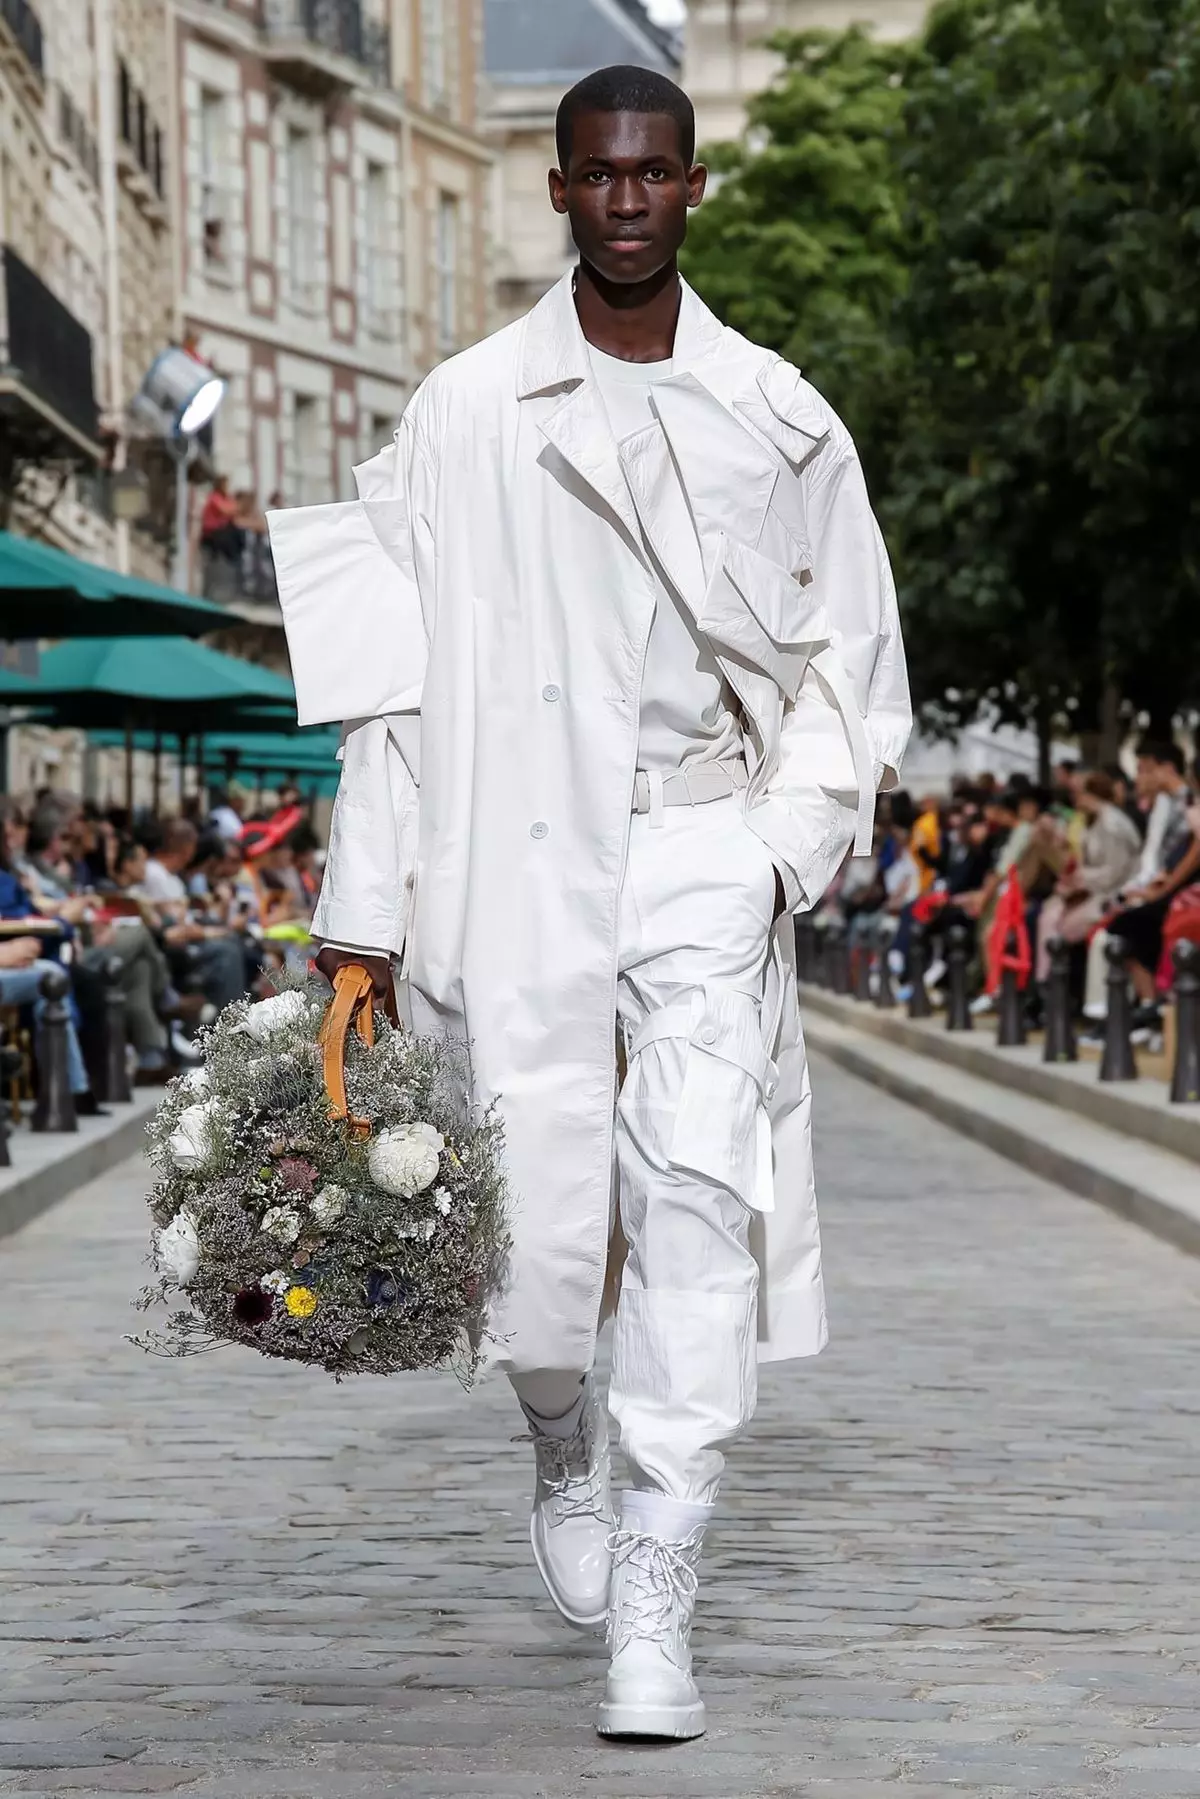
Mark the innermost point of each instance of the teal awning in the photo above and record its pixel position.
(151, 683)
(44, 592)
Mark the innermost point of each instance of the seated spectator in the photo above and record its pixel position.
(1140, 922)
(22, 968)
(213, 950)
(127, 927)
(225, 817)
(1087, 889)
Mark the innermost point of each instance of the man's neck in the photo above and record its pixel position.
(634, 324)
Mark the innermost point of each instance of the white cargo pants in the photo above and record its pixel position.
(692, 1144)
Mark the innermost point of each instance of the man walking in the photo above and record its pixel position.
(613, 629)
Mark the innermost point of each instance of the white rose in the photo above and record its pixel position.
(195, 1080)
(329, 1204)
(442, 1201)
(190, 1143)
(271, 1015)
(178, 1248)
(282, 1223)
(278, 1283)
(405, 1160)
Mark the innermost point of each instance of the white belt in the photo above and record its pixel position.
(696, 785)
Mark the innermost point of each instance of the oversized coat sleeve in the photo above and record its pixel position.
(813, 794)
(356, 589)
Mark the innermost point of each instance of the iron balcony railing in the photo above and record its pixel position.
(338, 26)
(48, 349)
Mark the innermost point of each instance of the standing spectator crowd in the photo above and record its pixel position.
(1097, 856)
(196, 911)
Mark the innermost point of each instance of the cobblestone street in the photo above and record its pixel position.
(960, 1554)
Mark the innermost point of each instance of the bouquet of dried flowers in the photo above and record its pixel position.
(365, 1238)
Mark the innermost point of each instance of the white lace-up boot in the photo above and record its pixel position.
(572, 1514)
(650, 1690)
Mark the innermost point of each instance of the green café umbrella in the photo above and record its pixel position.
(44, 592)
(159, 683)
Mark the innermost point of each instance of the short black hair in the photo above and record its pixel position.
(1164, 751)
(625, 88)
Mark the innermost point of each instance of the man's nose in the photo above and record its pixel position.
(627, 198)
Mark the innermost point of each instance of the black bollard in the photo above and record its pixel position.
(958, 999)
(1118, 1062)
(806, 950)
(837, 964)
(885, 996)
(1010, 1019)
(919, 1005)
(1185, 1078)
(10, 1061)
(114, 1088)
(55, 1109)
(1059, 1045)
(861, 960)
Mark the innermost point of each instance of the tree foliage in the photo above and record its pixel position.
(1016, 326)
(801, 245)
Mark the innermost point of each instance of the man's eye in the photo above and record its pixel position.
(656, 174)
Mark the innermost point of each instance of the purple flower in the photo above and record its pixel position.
(384, 1290)
(298, 1176)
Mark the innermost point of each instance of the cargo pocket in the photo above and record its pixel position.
(721, 1129)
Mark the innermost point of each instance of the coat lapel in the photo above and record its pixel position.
(554, 363)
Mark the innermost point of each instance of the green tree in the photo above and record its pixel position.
(1041, 503)
(801, 243)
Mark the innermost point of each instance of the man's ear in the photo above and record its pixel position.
(697, 182)
(558, 190)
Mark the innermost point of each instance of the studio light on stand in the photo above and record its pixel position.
(178, 398)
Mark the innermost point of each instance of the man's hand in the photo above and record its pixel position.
(379, 968)
(20, 952)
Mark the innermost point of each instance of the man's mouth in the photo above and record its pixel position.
(626, 245)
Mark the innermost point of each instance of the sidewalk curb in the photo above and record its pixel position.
(1139, 1109)
(1146, 1185)
(101, 1144)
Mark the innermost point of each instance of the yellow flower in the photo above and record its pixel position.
(301, 1302)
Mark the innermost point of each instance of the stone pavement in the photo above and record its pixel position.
(959, 1554)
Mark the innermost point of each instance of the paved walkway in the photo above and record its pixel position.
(960, 1554)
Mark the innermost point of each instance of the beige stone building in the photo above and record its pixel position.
(331, 190)
(87, 283)
(725, 55)
(534, 51)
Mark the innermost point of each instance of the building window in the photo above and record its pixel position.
(382, 308)
(311, 477)
(447, 271)
(434, 31)
(214, 180)
(302, 223)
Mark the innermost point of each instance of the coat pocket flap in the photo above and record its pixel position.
(721, 1122)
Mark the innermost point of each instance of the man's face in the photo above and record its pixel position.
(1149, 777)
(627, 192)
(132, 868)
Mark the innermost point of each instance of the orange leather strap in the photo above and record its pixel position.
(351, 1005)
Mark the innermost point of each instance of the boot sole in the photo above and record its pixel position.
(574, 1619)
(661, 1723)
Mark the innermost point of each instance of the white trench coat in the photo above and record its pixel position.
(478, 619)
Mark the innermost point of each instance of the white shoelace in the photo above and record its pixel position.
(568, 1471)
(660, 1579)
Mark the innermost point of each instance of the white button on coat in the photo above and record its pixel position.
(539, 830)
(551, 692)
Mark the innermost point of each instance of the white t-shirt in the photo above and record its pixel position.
(160, 885)
(687, 711)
